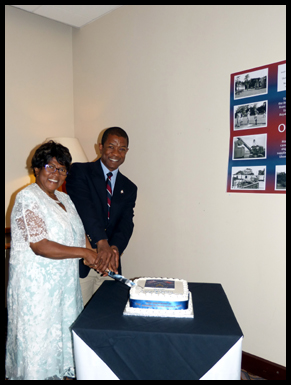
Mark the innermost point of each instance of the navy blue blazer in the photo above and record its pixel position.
(87, 188)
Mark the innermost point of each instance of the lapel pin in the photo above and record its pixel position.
(121, 192)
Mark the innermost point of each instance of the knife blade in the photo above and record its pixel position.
(120, 278)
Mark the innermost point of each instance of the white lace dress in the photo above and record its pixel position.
(44, 296)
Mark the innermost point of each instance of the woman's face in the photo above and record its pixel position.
(48, 180)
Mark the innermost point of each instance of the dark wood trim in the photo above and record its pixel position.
(262, 368)
(7, 237)
(63, 188)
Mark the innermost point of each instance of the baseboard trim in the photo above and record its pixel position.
(262, 368)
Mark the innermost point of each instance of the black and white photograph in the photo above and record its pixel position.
(258, 129)
(251, 84)
(280, 181)
(248, 178)
(250, 147)
(252, 115)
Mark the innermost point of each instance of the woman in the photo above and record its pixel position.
(44, 296)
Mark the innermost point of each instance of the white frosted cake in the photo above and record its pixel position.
(160, 297)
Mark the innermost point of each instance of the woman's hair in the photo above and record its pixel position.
(50, 150)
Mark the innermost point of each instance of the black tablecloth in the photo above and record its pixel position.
(153, 348)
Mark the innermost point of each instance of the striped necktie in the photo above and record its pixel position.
(109, 193)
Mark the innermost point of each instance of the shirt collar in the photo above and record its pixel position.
(106, 171)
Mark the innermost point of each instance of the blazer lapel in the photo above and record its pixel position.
(118, 196)
(99, 184)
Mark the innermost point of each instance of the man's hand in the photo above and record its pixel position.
(108, 257)
(114, 261)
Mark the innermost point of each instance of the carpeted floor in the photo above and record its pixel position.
(248, 376)
(244, 376)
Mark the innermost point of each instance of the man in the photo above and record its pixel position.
(107, 215)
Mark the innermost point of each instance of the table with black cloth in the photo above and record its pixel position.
(110, 345)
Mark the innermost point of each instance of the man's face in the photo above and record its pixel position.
(113, 152)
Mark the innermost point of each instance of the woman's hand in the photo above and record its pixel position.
(90, 258)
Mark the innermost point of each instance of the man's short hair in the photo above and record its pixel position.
(118, 131)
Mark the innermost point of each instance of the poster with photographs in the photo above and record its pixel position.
(257, 147)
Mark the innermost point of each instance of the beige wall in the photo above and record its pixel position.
(38, 91)
(162, 73)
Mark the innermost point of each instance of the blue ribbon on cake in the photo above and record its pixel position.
(160, 305)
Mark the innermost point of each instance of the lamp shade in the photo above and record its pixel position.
(74, 147)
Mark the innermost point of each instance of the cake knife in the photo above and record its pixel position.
(120, 278)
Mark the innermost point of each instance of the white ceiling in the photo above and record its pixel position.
(74, 15)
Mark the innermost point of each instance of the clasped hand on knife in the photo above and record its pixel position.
(107, 258)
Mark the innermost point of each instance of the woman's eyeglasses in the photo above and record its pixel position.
(51, 168)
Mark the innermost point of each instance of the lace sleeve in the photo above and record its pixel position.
(28, 222)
